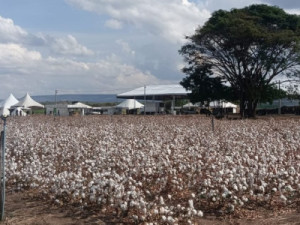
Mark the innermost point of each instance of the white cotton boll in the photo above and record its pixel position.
(161, 200)
(261, 188)
(155, 211)
(133, 203)
(245, 199)
(161, 210)
(235, 187)
(274, 189)
(230, 208)
(283, 198)
(191, 204)
(200, 213)
(144, 210)
(289, 188)
(194, 211)
(164, 218)
(170, 219)
(124, 206)
(169, 196)
(135, 217)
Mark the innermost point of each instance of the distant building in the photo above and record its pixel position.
(153, 95)
(65, 109)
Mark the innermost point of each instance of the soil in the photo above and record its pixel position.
(23, 208)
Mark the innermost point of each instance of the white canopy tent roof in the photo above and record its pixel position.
(28, 102)
(130, 104)
(6, 104)
(79, 105)
(158, 91)
(217, 104)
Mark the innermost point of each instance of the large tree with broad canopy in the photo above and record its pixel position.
(247, 48)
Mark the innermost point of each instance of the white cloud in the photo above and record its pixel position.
(23, 70)
(114, 24)
(125, 47)
(68, 46)
(293, 11)
(213, 5)
(9, 32)
(172, 19)
(14, 55)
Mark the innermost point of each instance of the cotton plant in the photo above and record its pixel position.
(156, 170)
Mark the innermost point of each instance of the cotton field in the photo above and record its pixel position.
(157, 169)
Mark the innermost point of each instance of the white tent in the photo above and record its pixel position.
(130, 104)
(222, 104)
(6, 104)
(28, 102)
(79, 105)
(83, 107)
(189, 105)
(18, 112)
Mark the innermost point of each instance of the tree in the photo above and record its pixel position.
(204, 86)
(248, 48)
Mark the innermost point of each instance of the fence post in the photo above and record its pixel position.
(3, 133)
(212, 123)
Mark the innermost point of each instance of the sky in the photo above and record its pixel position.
(100, 46)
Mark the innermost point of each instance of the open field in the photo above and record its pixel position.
(157, 169)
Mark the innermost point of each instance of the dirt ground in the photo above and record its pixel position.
(24, 209)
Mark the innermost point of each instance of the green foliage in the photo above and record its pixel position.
(271, 92)
(248, 47)
(203, 85)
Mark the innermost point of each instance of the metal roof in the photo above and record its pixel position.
(156, 91)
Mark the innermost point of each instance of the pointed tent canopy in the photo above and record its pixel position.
(28, 102)
(6, 104)
(130, 104)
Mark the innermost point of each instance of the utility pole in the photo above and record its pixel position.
(55, 111)
(279, 108)
(145, 100)
(279, 83)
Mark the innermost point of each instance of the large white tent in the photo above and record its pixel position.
(79, 105)
(6, 104)
(27, 102)
(157, 92)
(130, 104)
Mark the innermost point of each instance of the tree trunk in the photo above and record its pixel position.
(251, 108)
